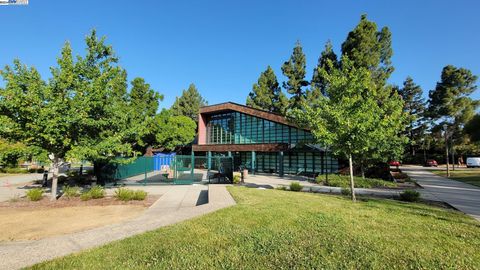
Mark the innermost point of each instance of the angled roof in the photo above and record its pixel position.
(231, 106)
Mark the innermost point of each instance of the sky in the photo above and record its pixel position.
(223, 46)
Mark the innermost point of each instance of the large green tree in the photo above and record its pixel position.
(189, 103)
(414, 106)
(267, 94)
(349, 119)
(295, 69)
(175, 130)
(318, 83)
(143, 106)
(450, 101)
(80, 113)
(370, 48)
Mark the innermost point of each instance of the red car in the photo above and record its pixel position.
(431, 163)
(395, 163)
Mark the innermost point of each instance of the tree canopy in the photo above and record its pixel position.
(189, 103)
(267, 94)
(295, 69)
(349, 119)
(370, 48)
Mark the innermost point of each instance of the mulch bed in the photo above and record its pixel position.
(74, 202)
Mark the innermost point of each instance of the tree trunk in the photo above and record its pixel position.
(352, 185)
(55, 165)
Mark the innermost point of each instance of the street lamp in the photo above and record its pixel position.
(446, 147)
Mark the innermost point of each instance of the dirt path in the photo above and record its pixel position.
(28, 224)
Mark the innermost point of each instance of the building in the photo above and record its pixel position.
(259, 140)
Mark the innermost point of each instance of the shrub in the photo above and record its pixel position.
(139, 195)
(281, 188)
(95, 192)
(70, 192)
(35, 194)
(14, 170)
(236, 179)
(125, 194)
(346, 191)
(410, 195)
(85, 196)
(295, 186)
(342, 181)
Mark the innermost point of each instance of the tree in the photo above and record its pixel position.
(472, 128)
(319, 84)
(267, 95)
(450, 100)
(414, 106)
(80, 113)
(349, 119)
(189, 103)
(294, 70)
(372, 49)
(143, 105)
(175, 130)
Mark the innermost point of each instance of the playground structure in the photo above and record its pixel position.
(172, 169)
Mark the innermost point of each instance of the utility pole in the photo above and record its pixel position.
(446, 148)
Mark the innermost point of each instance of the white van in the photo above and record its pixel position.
(473, 162)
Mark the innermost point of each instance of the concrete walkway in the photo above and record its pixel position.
(12, 185)
(462, 196)
(177, 204)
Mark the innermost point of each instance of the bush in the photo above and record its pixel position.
(70, 192)
(139, 195)
(346, 191)
(236, 179)
(35, 194)
(96, 192)
(85, 196)
(281, 188)
(410, 195)
(343, 181)
(125, 194)
(295, 186)
(13, 170)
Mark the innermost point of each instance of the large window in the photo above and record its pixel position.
(239, 128)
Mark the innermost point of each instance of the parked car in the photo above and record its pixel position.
(395, 163)
(431, 163)
(473, 162)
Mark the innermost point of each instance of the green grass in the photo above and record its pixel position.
(335, 180)
(469, 176)
(273, 229)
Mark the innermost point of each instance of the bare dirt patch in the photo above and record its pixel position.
(26, 220)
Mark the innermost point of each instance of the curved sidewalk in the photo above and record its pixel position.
(462, 196)
(176, 205)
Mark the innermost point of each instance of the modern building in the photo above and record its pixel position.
(261, 141)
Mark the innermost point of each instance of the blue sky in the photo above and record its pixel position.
(222, 46)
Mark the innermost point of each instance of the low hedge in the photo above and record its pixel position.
(343, 181)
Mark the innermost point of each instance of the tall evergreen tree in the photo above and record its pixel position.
(450, 100)
(267, 95)
(143, 105)
(189, 103)
(414, 106)
(294, 70)
(372, 49)
(472, 128)
(319, 83)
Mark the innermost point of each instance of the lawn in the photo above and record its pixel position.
(283, 230)
(470, 176)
